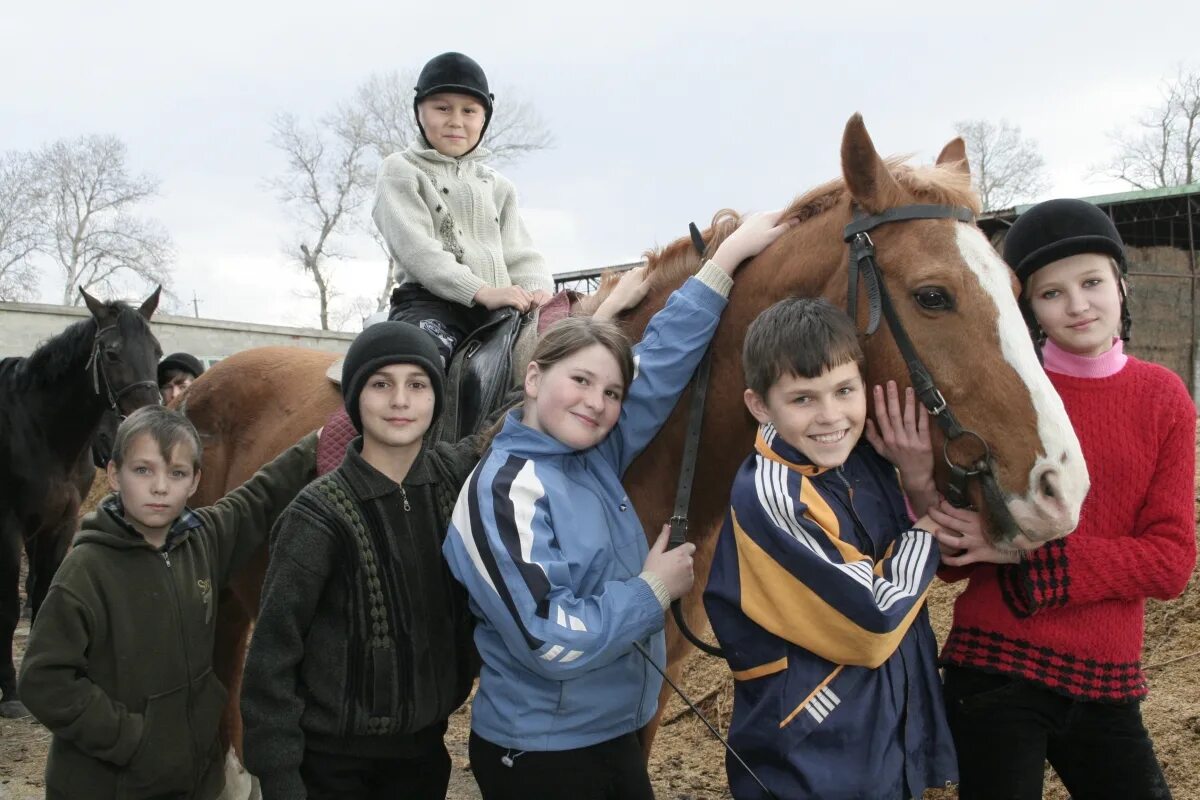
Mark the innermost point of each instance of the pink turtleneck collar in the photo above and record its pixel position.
(1102, 366)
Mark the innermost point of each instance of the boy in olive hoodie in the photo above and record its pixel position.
(119, 663)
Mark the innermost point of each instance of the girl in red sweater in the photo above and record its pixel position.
(1043, 660)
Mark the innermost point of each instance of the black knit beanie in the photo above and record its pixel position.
(1056, 229)
(387, 343)
(454, 72)
(181, 362)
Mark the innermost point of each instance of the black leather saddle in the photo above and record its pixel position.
(480, 374)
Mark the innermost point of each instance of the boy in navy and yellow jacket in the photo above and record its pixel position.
(818, 583)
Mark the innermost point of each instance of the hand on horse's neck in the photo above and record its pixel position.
(394, 462)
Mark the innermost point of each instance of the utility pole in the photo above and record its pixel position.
(195, 305)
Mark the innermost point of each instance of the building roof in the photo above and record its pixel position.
(1145, 217)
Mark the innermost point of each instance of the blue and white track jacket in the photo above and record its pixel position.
(549, 547)
(817, 596)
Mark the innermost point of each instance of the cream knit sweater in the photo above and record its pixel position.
(453, 226)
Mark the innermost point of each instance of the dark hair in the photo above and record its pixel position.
(801, 336)
(168, 375)
(166, 427)
(568, 337)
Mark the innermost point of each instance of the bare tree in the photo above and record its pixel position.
(19, 233)
(323, 186)
(332, 165)
(1005, 167)
(90, 229)
(1163, 147)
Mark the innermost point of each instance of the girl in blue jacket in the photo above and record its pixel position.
(556, 563)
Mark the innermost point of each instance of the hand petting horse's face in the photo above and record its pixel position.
(125, 353)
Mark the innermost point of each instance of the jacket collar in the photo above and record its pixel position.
(369, 483)
(432, 155)
(518, 438)
(109, 526)
(771, 445)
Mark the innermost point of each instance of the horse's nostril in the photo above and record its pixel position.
(1046, 484)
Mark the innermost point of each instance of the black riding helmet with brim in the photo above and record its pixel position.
(1057, 229)
(458, 74)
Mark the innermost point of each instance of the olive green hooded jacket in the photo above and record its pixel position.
(119, 665)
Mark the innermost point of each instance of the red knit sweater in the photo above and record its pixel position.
(1070, 616)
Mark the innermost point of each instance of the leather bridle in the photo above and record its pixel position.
(95, 364)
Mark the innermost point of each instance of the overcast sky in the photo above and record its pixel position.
(661, 112)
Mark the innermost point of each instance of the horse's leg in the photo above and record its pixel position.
(46, 555)
(229, 655)
(10, 612)
(240, 604)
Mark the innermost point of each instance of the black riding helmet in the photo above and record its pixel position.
(454, 72)
(1056, 229)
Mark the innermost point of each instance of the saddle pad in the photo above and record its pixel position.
(335, 438)
(555, 309)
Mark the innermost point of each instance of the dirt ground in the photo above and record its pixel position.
(688, 763)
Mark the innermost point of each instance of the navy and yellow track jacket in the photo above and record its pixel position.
(817, 595)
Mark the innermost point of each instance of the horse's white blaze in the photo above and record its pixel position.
(1060, 451)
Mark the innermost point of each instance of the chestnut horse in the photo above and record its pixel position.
(251, 406)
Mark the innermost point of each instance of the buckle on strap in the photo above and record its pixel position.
(679, 531)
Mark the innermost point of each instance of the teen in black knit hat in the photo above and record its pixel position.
(382, 345)
(358, 602)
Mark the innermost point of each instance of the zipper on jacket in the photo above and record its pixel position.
(862, 529)
(187, 663)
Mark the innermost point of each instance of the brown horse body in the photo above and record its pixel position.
(253, 405)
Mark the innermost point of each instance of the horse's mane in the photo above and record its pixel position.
(672, 263)
(58, 357)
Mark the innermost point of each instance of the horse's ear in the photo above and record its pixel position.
(869, 180)
(97, 307)
(147, 308)
(954, 155)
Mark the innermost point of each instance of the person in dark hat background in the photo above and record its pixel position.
(1043, 661)
(458, 245)
(362, 648)
(175, 373)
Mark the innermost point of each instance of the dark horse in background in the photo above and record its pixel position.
(50, 406)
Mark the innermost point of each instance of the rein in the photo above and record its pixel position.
(96, 366)
(864, 264)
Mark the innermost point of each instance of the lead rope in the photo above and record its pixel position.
(645, 654)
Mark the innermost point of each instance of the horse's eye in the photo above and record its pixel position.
(111, 355)
(933, 298)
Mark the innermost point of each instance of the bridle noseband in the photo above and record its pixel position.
(95, 365)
